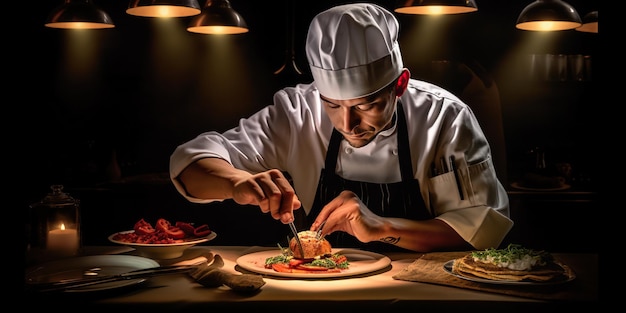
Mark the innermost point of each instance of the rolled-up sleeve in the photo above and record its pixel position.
(482, 217)
(206, 145)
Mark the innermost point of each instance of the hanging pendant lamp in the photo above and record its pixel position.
(163, 8)
(437, 7)
(78, 14)
(218, 18)
(548, 15)
(590, 23)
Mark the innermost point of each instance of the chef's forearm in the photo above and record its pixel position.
(210, 178)
(422, 236)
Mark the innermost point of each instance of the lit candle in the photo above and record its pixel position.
(63, 239)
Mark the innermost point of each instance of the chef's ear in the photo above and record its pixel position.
(403, 82)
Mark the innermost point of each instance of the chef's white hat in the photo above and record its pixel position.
(353, 50)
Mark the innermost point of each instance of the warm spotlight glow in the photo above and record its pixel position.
(79, 25)
(588, 27)
(548, 15)
(223, 67)
(79, 68)
(218, 30)
(75, 14)
(547, 25)
(590, 23)
(218, 18)
(163, 11)
(435, 9)
(171, 56)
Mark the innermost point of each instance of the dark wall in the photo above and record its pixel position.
(133, 93)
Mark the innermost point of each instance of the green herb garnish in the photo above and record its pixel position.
(510, 254)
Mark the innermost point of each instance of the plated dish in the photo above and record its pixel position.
(162, 250)
(569, 276)
(521, 187)
(80, 267)
(361, 262)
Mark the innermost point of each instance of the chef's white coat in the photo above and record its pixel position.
(293, 134)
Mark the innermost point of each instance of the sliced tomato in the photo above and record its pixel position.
(312, 268)
(301, 271)
(202, 231)
(176, 232)
(172, 231)
(162, 224)
(295, 262)
(143, 228)
(282, 267)
(313, 272)
(187, 228)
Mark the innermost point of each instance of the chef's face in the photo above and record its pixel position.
(360, 119)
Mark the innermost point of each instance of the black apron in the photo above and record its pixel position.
(400, 199)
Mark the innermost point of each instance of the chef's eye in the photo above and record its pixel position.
(331, 105)
(364, 107)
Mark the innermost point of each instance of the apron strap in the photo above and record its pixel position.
(330, 164)
(404, 149)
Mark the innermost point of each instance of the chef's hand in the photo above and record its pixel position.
(349, 214)
(271, 191)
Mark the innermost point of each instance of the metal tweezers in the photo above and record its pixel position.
(295, 233)
(318, 234)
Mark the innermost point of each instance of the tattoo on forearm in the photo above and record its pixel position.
(391, 240)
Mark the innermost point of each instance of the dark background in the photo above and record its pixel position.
(101, 112)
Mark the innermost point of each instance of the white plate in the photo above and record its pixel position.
(101, 264)
(162, 251)
(361, 262)
(520, 187)
(569, 276)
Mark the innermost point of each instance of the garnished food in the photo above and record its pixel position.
(312, 246)
(514, 263)
(514, 257)
(317, 258)
(163, 233)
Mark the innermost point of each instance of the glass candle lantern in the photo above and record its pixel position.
(55, 223)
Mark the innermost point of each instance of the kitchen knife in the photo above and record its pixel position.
(68, 284)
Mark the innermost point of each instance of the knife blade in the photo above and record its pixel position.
(68, 284)
(295, 234)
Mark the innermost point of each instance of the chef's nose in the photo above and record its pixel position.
(349, 119)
